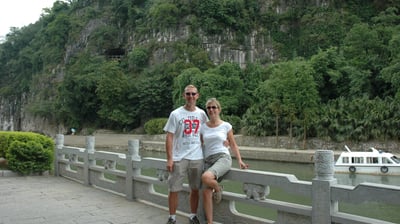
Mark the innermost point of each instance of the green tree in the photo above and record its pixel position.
(113, 89)
(185, 78)
(154, 97)
(78, 101)
(366, 51)
(329, 74)
(103, 38)
(138, 59)
(391, 74)
(163, 15)
(224, 83)
(251, 76)
(322, 28)
(292, 91)
(55, 38)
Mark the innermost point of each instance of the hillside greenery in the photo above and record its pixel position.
(335, 76)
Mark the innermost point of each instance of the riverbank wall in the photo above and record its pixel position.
(248, 149)
(258, 148)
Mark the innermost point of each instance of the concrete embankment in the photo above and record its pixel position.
(119, 143)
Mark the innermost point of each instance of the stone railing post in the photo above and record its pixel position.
(131, 156)
(59, 145)
(90, 141)
(322, 205)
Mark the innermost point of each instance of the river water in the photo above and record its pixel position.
(306, 172)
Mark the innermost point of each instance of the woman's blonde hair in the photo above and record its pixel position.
(213, 100)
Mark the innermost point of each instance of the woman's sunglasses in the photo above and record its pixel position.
(193, 94)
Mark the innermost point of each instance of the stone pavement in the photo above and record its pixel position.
(54, 200)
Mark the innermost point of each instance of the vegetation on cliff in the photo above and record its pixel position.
(326, 69)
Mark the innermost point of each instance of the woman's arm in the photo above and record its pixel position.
(235, 149)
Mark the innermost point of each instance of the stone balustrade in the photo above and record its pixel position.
(144, 179)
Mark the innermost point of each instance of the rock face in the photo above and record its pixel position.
(8, 110)
(15, 114)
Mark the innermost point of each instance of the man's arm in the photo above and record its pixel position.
(168, 148)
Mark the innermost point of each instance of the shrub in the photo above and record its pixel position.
(29, 157)
(27, 152)
(3, 144)
(155, 126)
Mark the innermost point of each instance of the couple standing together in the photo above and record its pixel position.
(191, 136)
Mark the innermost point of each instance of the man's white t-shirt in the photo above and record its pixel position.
(185, 125)
(214, 138)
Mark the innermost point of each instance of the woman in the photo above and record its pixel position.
(214, 136)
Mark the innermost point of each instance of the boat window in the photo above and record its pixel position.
(386, 160)
(395, 159)
(357, 160)
(372, 159)
(345, 160)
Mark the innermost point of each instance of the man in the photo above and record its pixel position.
(184, 153)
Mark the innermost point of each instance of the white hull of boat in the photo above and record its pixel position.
(371, 162)
(364, 169)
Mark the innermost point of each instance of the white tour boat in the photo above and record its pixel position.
(372, 162)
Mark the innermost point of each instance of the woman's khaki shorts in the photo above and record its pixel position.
(219, 164)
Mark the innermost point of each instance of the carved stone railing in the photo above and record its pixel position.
(124, 174)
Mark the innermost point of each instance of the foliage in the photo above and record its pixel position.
(29, 157)
(222, 82)
(103, 38)
(235, 121)
(27, 152)
(360, 119)
(78, 103)
(153, 90)
(138, 58)
(216, 16)
(56, 34)
(322, 28)
(3, 144)
(155, 126)
(329, 75)
(181, 81)
(291, 93)
(59, 70)
(164, 15)
(113, 91)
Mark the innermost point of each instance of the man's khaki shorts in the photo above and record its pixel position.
(192, 169)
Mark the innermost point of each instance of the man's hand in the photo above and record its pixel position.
(170, 165)
(226, 143)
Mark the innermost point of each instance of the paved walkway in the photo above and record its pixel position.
(56, 200)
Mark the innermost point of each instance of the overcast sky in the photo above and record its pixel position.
(19, 13)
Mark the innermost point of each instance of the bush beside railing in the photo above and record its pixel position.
(26, 152)
(123, 174)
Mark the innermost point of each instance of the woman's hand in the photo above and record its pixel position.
(243, 165)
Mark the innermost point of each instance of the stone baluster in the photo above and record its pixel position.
(57, 156)
(90, 142)
(321, 187)
(131, 156)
